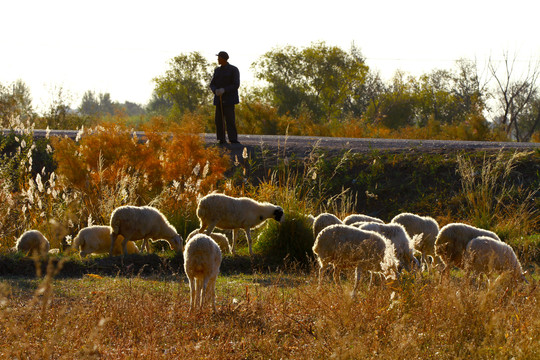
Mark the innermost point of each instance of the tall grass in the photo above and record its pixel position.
(266, 316)
(494, 198)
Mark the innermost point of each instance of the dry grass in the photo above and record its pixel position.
(266, 316)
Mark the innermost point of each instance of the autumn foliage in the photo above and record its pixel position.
(112, 164)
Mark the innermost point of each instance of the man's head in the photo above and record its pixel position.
(222, 57)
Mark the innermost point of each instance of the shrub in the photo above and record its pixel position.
(292, 238)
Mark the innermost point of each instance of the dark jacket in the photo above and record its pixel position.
(227, 77)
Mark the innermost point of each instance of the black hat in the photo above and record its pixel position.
(223, 54)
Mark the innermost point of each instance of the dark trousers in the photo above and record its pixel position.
(230, 120)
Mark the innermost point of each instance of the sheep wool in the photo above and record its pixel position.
(32, 242)
(142, 222)
(344, 246)
(226, 212)
(401, 240)
(355, 218)
(202, 259)
(220, 239)
(423, 231)
(453, 239)
(96, 239)
(487, 255)
(322, 221)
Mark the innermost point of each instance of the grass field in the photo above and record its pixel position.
(267, 315)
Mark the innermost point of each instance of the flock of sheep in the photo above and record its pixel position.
(369, 245)
(364, 243)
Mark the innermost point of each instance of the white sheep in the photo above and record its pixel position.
(453, 239)
(322, 221)
(355, 218)
(220, 239)
(423, 230)
(486, 255)
(32, 242)
(398, 236)
(97, 240)
(226, 212)
(202, 259)
(142, 222)
(344, 246)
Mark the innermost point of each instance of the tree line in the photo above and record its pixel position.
(327, 91)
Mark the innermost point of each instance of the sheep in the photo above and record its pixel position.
(486, 255)
(322, 221)
(97, 240)
(345, 246)
(452, 240)
(142, 222)
(32, 242)
(226, 212)
(220, 239)
(423, 230)
(354, 218)
(401, 240)
(202, 259)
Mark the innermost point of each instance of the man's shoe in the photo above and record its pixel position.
(235, 142)
(222, 142)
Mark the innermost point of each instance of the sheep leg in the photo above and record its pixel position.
(203, 284)
(425, 263)
(113, 240)
(211, 291)
(191, 293)
(234, 236)
(198, 290)
(337, 273)
(322, 270)
(124, 245)
(248, 234)
(209, 229)
(356, 281)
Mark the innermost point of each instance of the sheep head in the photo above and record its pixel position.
(176, 243)
(278, 214)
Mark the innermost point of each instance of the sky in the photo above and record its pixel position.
(120, 46)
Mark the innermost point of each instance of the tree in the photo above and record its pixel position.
(396, 106)
(15, 100)
(89, 104)
(321, 78)
(516, 99)
(185, 83)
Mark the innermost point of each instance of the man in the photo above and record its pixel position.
(224, 85)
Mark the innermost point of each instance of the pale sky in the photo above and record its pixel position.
(119, 46)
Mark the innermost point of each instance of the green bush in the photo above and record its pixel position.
(291, 239)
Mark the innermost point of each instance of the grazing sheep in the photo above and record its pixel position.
(345, 246)
(354, 218)
(33, 242)
(202, 259)
(97, 240)
(423, 230)
(486, 255)
(401, 240)
(225, 212)
(322, 221)
(142, 222)
(453, 239)
(220, 239)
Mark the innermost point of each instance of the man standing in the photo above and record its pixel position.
(224, 85)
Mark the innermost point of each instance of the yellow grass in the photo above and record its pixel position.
(266, 316)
